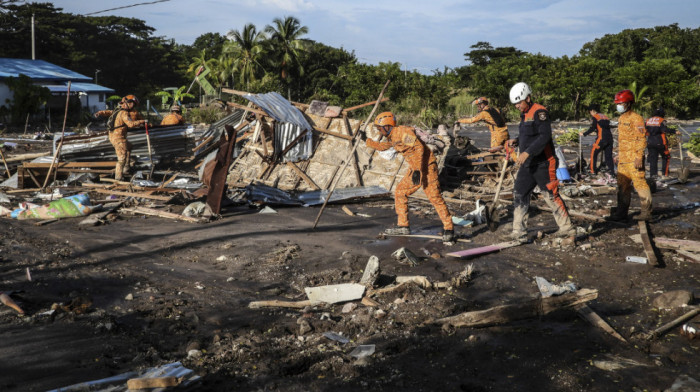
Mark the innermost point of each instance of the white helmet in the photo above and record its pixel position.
(519, 92)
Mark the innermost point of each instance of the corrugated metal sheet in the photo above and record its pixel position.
(173, 141)
(38, 70)
(285, 133)
(271, 195)
(279, 108)
(216, 129)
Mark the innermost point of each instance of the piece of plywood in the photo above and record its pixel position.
(484, 249)
(335, 293)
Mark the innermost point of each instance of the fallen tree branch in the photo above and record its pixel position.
(279, 304)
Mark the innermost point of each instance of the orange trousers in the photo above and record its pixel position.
(431, 186)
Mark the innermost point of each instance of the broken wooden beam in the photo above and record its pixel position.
(152, 382)
(508, 313)
(132, 194)
(592, 317)
(163, 214)
(7, 301)
(647, 243)
(303, 175)
(351, 108)
(336, 134)
(279, 304)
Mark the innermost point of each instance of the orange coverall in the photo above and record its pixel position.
(125, 119)
(632, 142)
(499, 135)
(418, 157)
(173, 119)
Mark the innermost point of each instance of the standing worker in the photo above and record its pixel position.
(631, 142)
(538, 165)
(493, 119)
(125, 119)
(603, 141)
(424, 172)
(174, 118)
(657, 143)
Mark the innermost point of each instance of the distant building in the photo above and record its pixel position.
(92, 96)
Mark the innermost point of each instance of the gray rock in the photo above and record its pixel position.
(673, 299)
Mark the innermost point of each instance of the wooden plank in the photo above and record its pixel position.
(70, 164)
(355, 165)
(671, 243)
(691, 257)
(24, 157)
(163, 214)
(592, 317)
(430, 236)
(303, 175)
(154, 382)
(351, 108)
(530, 309)
(484, 249)
(279, 304)
(336, 134)
(256, 111)
(646, 242)
(133, 194)
(207, 140)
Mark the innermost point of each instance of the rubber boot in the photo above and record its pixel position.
(119, 171)
(623, 207)
(645, 201)
(520, 217)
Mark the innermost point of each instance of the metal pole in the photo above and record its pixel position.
(60, 144)
(33, 46)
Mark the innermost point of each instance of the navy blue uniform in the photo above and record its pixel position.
(603, 142)
(657, 144)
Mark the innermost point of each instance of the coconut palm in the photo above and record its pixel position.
(286, 43)
(245, 48)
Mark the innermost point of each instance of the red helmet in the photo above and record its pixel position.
(479, 100)
(624, 96)
(131, 98)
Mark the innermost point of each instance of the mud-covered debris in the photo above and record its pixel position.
(673, 299)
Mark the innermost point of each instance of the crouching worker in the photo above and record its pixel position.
(424, 172)
(538, 165)
(174, 118)
(120, 121)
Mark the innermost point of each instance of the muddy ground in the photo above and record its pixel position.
(141, 292)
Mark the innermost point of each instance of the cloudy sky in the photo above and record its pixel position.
(422, 35)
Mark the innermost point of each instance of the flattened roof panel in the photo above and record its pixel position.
(38, 70)
(78, 87)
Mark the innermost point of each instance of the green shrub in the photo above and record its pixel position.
(694, 144)
(568, 138)
(206, 115)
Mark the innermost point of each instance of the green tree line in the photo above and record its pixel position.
(662, 65)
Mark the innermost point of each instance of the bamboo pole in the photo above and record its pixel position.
(347, 160)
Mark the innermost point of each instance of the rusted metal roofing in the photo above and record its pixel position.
(279, 108)
(38, 70)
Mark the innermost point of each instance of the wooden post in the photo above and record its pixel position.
(60, 144)
(347, 160)
(7, 169)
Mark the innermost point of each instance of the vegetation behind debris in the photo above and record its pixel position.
(659, 64)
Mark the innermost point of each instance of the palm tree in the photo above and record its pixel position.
(285, 41)
(245, 48)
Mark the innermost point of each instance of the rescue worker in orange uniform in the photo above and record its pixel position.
(603, 141)
(538, 164)
(126, 119)
(424, 172)
(657, 144)
(174, 118)
(493, 119)
(631, 140)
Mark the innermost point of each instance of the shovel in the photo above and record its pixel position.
(491, 214)
(684, 171)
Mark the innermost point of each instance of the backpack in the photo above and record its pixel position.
(113, 118)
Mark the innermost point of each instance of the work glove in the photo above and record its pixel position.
(415, 177)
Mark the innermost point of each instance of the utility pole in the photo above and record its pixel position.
(33, 46)
(96, 72)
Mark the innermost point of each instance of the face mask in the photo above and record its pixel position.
(621, 108)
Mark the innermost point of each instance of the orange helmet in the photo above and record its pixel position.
(624, 96)
(131, 98)
(481, 100)
(385, 119)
